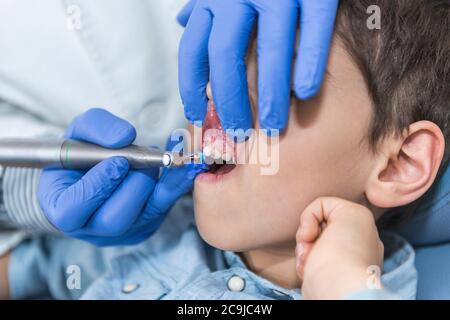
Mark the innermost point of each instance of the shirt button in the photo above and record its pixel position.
(236, 284)
(130, 288)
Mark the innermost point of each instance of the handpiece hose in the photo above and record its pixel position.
(71, 154)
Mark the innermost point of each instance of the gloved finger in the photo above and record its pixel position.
(69, 206)
(185, 13)
(277, 27)
(316, 30)
(230, 36)
(173, 183)
(118, 213)
(193, 63)
(101, 127)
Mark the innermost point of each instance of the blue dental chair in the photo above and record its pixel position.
(429, 231)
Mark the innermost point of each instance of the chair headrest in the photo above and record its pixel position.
(431, 223)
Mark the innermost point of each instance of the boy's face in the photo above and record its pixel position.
(323, 152)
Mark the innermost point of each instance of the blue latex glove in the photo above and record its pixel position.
(214, 46)
(110, 204)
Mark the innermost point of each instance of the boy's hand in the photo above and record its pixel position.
(338, 249)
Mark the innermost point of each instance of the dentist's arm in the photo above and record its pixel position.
(110, 204)
(214, 46)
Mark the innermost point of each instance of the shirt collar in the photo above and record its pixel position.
(233, 260)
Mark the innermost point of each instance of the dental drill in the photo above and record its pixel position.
(77, 155)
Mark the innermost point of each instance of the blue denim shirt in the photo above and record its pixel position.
(174, 264)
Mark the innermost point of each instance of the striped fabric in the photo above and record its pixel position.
(20, 204)
(3, 216)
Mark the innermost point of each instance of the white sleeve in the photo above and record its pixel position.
(15, 122)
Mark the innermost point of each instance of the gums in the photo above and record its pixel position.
(218, 149)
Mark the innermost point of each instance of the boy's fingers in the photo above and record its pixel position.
(321, 212)
(301, 253)
(323, 209)
(309, 228)
(310, 222)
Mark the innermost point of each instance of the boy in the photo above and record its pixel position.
(375, 136)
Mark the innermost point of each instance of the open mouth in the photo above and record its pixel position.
(222, 169)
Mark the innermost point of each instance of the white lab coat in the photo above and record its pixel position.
(123, 57)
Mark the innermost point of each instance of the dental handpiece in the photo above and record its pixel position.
(71, 154)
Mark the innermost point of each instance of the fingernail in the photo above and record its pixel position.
(120, 165)
(306, 92)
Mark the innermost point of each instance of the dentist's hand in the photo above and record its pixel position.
(214, 47)
(110, 204)
(338, 249)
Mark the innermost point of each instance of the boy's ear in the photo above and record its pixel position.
(407, 166)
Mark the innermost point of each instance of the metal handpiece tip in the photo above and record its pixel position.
(195, 158)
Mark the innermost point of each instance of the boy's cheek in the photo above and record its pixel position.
(254, 212)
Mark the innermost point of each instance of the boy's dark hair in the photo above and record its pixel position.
(406, 63)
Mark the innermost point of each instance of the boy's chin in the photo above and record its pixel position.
(218, 233)
(214, 239)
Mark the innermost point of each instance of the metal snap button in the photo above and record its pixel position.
(236, 284)
(130, 288)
